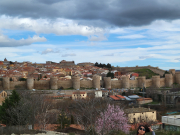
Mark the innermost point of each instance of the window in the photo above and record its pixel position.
(152, 112)
(142, 113)
(83, 95)
(74, 95)
(134, 113)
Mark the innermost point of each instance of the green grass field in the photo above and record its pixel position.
(145, 72)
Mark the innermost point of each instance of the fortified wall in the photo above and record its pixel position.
(76, 83)
(128, 69)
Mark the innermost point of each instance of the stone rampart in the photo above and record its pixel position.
(133, 83)
(116, 84)
(65, 83)
(1, 86)
(148, 82)
(17, 85)
(41, 85)
(76, 83)
(162, 82)
(86, 84)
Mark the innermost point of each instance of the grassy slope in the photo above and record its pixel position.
(145, 72)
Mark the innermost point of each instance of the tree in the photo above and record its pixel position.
(64, 120)
(9, 103)
(86, 111)
(108, 65)
(22, 79)
(109, 74)
(112, 119)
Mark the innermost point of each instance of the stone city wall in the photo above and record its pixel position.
(162, 82)
(17, 85)
(148, 82)
(133, 83)
(1, 86)
(107, 83)
(116, 84)
(65, 83)
(41, 85)
(86, 84)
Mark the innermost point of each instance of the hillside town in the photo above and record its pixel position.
(151, 101)
(62, 70)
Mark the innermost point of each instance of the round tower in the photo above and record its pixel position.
(96, 81)
(107, 82)
(125, 81)
(156, 81)
(30, 83)
(142, 81)
(53, 83)
(177, 77)
(172, 71)
(169, 80)
(6, 83)
(76, 82)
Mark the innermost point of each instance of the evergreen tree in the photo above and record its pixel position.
(96, 64)
(109, 74)
(108, 65)
(13, 99)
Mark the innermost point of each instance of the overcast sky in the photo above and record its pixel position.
(120, 32)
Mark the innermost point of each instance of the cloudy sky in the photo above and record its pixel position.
(120, 32)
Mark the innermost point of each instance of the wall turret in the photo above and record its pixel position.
(6, 83)
(96, 81)
(30, 83)
(177, 75)
(156, 81)
(125, 82)
(53, 83)
(76, 82)
(168, 80)
(142, 81)
(107, 82)
(172, 71)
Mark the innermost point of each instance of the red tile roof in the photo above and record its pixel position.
(120, 96)
(114, 97)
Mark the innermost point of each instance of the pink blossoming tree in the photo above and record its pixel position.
(112, 119)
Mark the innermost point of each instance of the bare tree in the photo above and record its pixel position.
(86, 112)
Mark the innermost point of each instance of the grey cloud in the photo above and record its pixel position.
(49, 51)
(8, 42)
(109, 54)
(177, 59)
(144, 57)
(93, 12)
(66, 55)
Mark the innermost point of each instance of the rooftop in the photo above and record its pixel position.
(138, 110)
